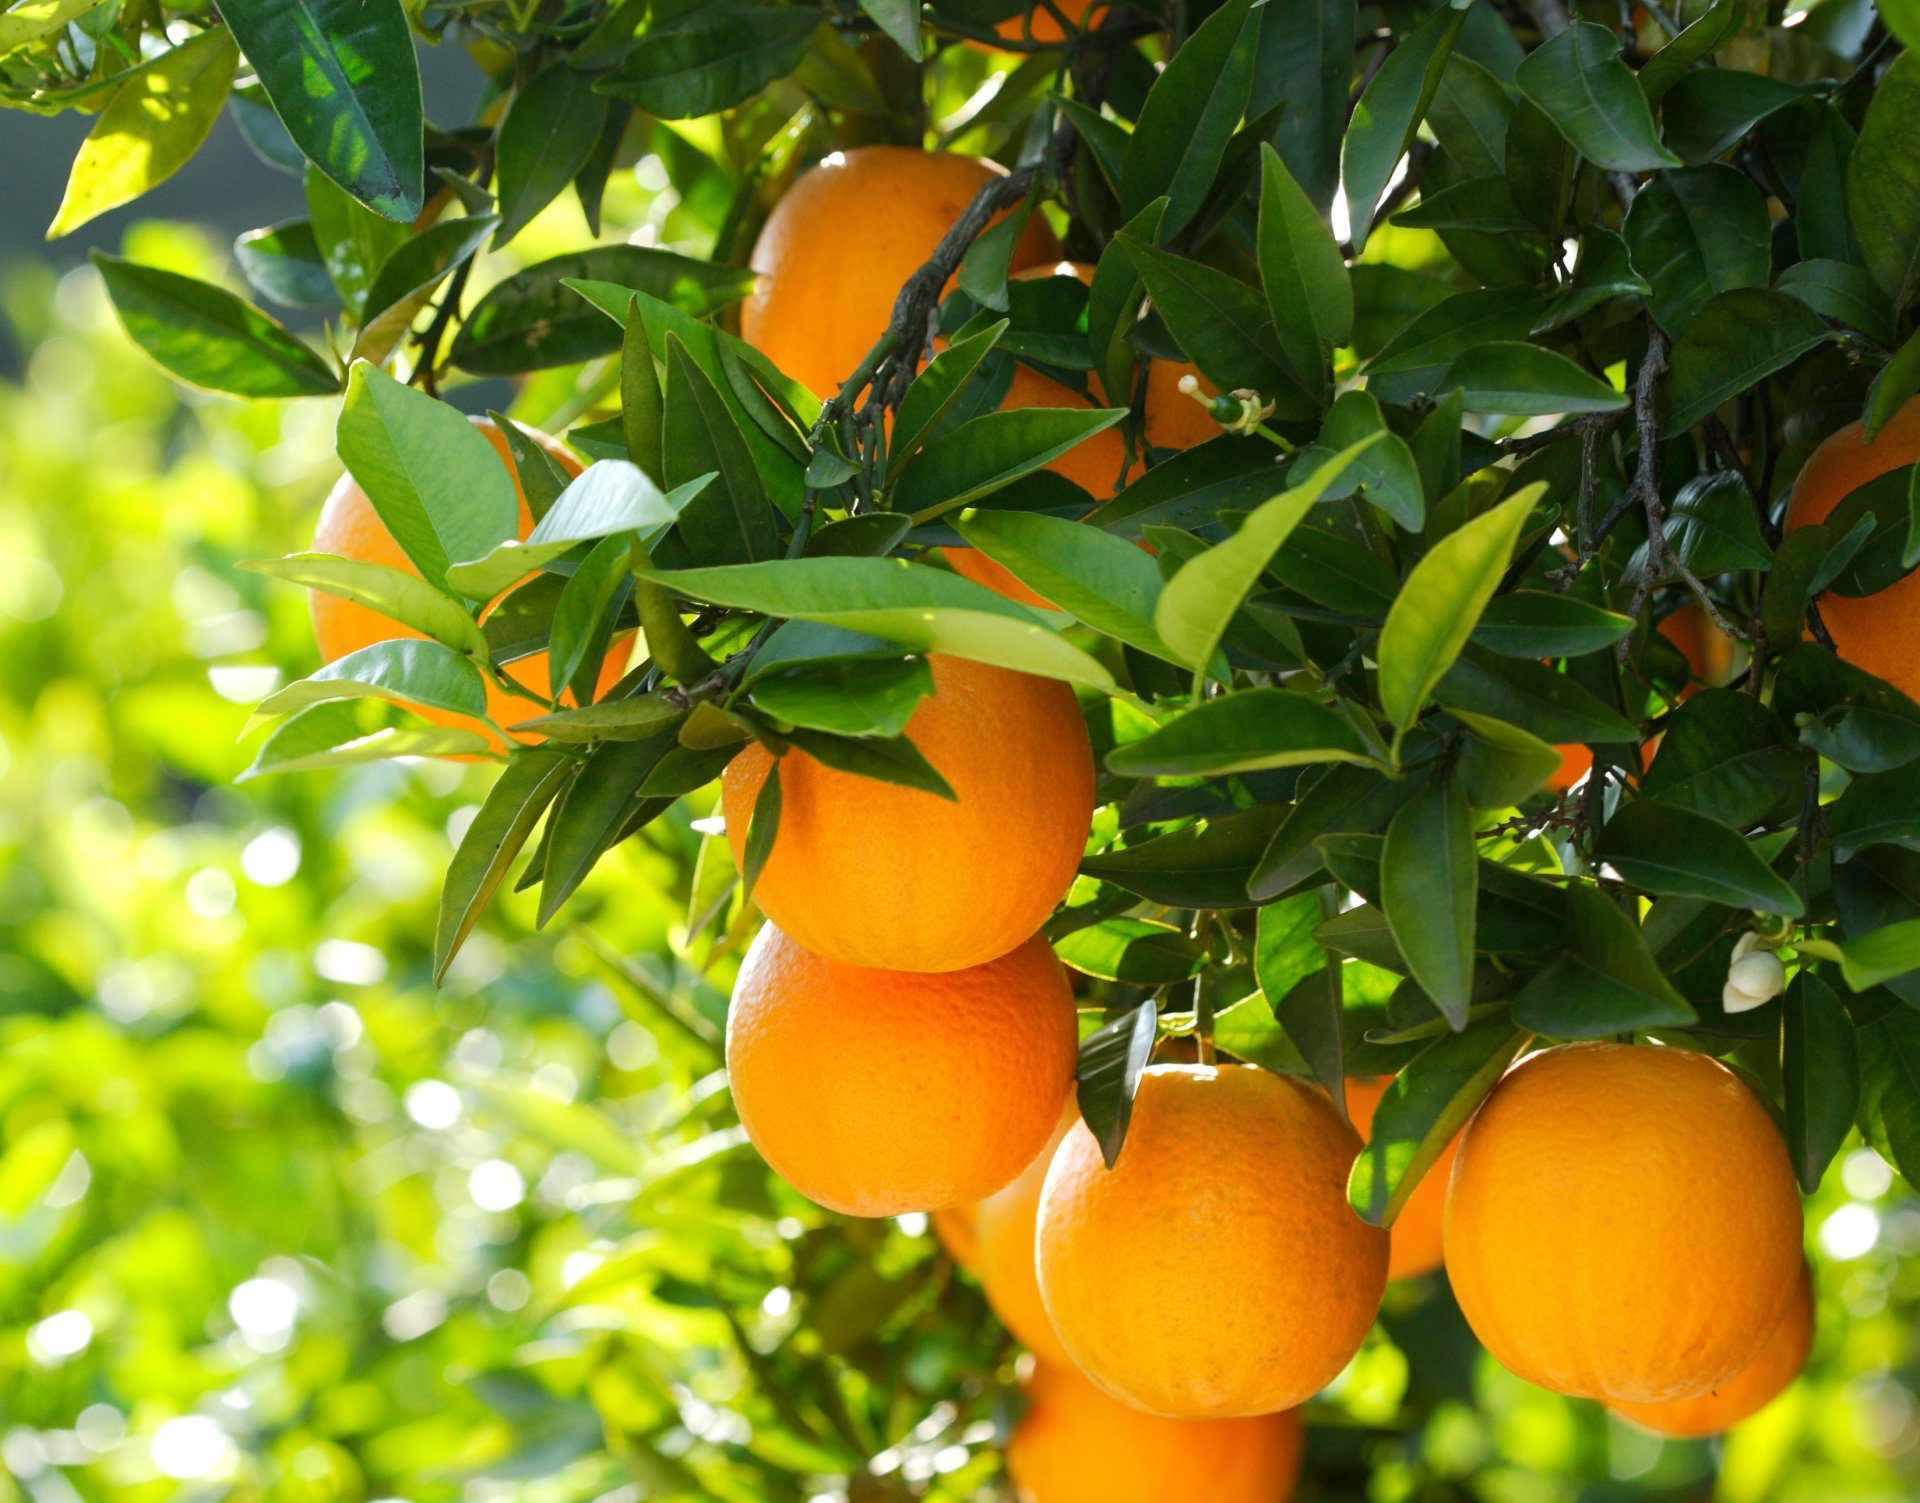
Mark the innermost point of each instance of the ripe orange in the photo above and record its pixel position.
(1004, 1225)
(879, 1092)
(1217, 1270)
(1076, 1445)
(1622, 1222)
(842, 241)
(871, 873)
(1755, 1386)
(1874, 632)
(350, 527)
(953, 1226)
(1038, 24)
(1416, 1230)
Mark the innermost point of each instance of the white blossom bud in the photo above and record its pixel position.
(1753, 980)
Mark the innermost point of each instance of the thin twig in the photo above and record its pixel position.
(1592, 423)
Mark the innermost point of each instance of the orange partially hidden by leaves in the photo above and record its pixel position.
(1004, 1225)
(1709, 653)
(350, 527)
(838, 246)
(876, 874)
(1622, 1222)
(1881, 632)
(1416, 1230)
(1757, 1384)
(1039, 25)
(1216, 1270)
(880, 1092)
(1076, 1445)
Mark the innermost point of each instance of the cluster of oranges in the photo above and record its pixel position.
(1619, 1223)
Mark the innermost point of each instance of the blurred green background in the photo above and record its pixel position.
(279, 1220)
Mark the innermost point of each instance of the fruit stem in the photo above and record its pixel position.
(1203, 995)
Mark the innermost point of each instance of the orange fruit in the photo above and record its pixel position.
(1622, 1222)
(1416, 1230)
(880, 1092)
(1879, 633)
(350, 527)
(841, 242)
(1038, 24)
(1004, 1225)
(953, 1227)
(1216, 1270)
(1076, 1445)
(875, 874)
(1754, 1387)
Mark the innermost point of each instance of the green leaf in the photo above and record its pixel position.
(1384, 470)
(935, 390)
(1221, 325)
(1302, 988)
(151, 127)
(899, 19)
(1578, 81)
(394, 593)
(1736, 341)
(1390, 111)
(1540, 624)
(845, 698)
(1189, 116)
(1099, 579)
(1602, 272)
(540, 476)
(284, 262)
(533, 321)
(1708, 112)
(611, 496)
(405, 281)
(1306, 283)
(592, 813)
(1422, 1109)
(1200, 601)
(1883, 182)
(343, 78)
(436, 484)
(409, 670)
(208, 337)
(1882, 956)
(1890, 1088)
(339, 734)
(1549, 705)
(730, 521)
(1673, 851)
(1696, 232)
(1704, 35)
(1725, 755)
(889, 759)
(548, 133)
(1469, 117)
(530, 782)
(1306, 59)
(1607, 982)
(354, 241)
(710, 59)
(993, 450)
(1712, 528)
(1243, 732)
(1111, 1059)
(1501, 764)
(1204, 865)
(763, 826)
(1421, 351)
(921, 608)
(643, 404)
(583, 619)
(30, 20)
(1430, 895)
(1877, 809)
(1441, 603)
(1524, 380)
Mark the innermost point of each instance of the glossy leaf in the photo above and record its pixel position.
(1390, 111)
(711, 58)
(1242, 733)
(846, 698)
(1579, 82)
(284, 262)
(546, 136)
(1607, 982)
(1736, 340)
(414, 672)
(1107, 583)
(1189, 116)
(1524, 380)
(405, 281)
(1883, 182)
(1694, 233)
(1664, 848)
(1111, 1059)
(986, 453)
(529, 783)
(1430, 895)
(394, 593)
(1308, 293)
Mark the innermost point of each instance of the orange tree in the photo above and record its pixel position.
(1512, 330)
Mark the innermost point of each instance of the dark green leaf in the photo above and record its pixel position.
(1890, 1088)
(1883, 182)
(1524, 380)
(284, 262)
(343, 78)
(208, 337)
(1205, 865)
(1430, 896)
(1422, 1108)
(1579, 82)
(405, 281)
(1383, 470)
(1539, 624)
(1390, 111)
(1711, 526)
(1607, 982)
(1725, 755)
(730, 521)
(1501, 764)
(845, 698)
(1602, 272)
(1111, 1059)
(1696, 232)
(985, 453)
(1189, 116)
(593, 812)
(583, 619)
(1704, 35)
(415, 672)
(1550, 705)
(549, 131)
(711, 58)
(513, 806)
(1877, 809)
(1308, 292)
(531, 321)
(1306, 59)
(1708, 112)
(1302, 989)
(1737, 340)
(1667, 849)
(1242, 732)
